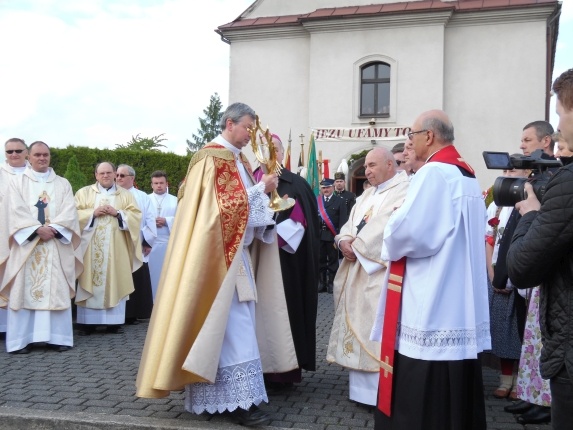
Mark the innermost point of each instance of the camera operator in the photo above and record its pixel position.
(541, 254)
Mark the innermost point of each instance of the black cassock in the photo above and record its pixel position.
(300, 270)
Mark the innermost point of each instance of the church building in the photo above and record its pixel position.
(356, 75)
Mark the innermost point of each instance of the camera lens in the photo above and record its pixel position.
(508, 191)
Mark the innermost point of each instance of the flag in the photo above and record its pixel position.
(287, 155)
(312, 167)
(326, 173)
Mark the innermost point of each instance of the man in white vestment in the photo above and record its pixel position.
(358, 282)
(433, 315)
(140, 302)
(164, 207)
(220, 319)
(16, 162)
(44, 256)
(110, 221)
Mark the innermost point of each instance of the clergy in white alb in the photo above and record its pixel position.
(443, 322)
(44, 255)
(16, 153)
(165, 206)
(110, 222)
(358, 282)
(140, 302)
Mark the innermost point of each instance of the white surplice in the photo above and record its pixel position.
(445, 310)
(165, 206)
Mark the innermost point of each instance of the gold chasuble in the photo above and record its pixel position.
(110, 254)
(39, 275)
(198, 280)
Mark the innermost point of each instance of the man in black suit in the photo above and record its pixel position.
(340, 190)
(333, 214)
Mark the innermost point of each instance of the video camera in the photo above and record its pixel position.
(509, 191)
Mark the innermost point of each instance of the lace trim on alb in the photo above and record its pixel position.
(259, 212)
(238, 386)
(445, 339)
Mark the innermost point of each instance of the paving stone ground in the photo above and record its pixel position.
(92, 386)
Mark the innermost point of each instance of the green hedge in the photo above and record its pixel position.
(144, 163)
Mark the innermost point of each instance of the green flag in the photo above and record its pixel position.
(312, 167)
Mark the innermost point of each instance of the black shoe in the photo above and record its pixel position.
(278, 387)
(322, 288)
(85, 329)
(60, 348)
(114, 329)
(518, 407)
(330, 288)
(536, 415)
(25, 350)
(253, 417)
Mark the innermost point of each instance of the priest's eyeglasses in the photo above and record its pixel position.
(17, 151)
(412, 133)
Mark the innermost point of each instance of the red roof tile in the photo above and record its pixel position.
(344, 11)
(386, 8)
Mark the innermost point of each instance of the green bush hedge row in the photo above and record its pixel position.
(144, 163)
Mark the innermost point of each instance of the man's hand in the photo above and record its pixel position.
(160, 222)
(271, 182)
(146, 250)
(345, 247)
(105, 210)
(46, 233)
(529, 204)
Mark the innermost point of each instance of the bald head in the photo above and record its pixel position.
(379, 166)
(431, 131)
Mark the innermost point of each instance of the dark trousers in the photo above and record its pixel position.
(561, 401)
(328, 259)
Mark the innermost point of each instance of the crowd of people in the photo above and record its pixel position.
(60, 251)
(231, 287)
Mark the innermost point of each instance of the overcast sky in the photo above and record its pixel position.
(97, 72)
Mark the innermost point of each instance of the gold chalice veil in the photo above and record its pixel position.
(265, 152)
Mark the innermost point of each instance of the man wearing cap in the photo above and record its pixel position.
(358, 283)
(339, 189)
(333, 215)
(398, 153)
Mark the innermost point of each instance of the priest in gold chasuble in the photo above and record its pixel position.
(111, 245)
(220, 318)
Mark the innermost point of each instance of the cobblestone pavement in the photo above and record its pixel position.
(93, 386)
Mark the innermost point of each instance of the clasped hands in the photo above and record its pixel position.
(46, 232)
(345, 246)
(105, 210)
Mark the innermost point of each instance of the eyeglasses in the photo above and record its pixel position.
(121, 175)
(412, 133)
(17, 151)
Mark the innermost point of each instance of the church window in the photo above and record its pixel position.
(375, 90)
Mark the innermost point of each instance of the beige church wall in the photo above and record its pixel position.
(271, 76)
(493, 89)
(334, 89)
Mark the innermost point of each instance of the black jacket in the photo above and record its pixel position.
(541, 253)
(337, 212)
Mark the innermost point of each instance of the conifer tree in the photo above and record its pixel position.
(209, 125)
